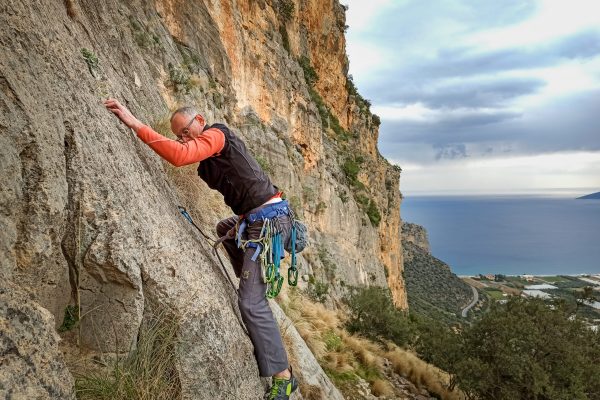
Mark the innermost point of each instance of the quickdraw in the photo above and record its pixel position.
(269, 247)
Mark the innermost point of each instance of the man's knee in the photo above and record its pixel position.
(222, 228)
(225, 225)
(250, 307)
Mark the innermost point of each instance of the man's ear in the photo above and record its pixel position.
(201, 119)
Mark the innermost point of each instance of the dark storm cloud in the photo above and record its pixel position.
(460, 62)
(466, 94)
(422, 80)
(568, 124)
(446, 128)
(451, 151)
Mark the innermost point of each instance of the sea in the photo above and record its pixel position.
(510, 234)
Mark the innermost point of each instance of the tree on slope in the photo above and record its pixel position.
(526, 350)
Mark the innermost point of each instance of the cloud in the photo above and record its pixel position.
(481, 93)
(463, 61)
(456, 81)
(435, 79)
(566, 124)
(443, 127)
(577, 171)
(451, 151)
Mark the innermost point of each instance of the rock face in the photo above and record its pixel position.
(31, 365)
(416, 234)
(89, 212)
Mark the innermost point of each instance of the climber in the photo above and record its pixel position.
(226, 165)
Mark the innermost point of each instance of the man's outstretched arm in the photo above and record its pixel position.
(209, 143)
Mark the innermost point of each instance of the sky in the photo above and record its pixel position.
(482, 96)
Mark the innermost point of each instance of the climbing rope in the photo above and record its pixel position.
(214, 243)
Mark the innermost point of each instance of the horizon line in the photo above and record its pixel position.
(554, 192)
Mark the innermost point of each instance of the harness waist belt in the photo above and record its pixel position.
(268, 211)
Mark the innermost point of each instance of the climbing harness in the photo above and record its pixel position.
(269, 245)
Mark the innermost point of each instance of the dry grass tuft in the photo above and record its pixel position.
(312, 320)
(381, 387)
(311, 392)
(365, 350)
(71, 12)
(148, 372)
(340, 362)
(420, 373)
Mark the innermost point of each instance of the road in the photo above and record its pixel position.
(475, 300)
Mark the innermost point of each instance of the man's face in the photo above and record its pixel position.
(187, 128)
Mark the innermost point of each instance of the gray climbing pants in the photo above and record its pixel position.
(254, 307)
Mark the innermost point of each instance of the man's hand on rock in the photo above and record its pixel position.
(123, 114)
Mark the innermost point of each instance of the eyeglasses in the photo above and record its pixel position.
(186, 131)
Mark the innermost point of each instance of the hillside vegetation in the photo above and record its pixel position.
(433, 289)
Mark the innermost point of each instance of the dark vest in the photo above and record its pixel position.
(236, 175)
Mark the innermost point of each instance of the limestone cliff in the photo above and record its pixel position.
(89, 213)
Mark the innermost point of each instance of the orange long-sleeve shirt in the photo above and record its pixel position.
(209, 143)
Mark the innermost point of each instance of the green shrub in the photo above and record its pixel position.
(91, 60)
(343, 196)
(285, 38)
(179, 79)
(526, 350)
(265, 165)
(362, 200)
(351, 167)
(334, 124)
(328, 120)
(70, 319)
(376, 120)
(192, 60)
(328, 264)
(351, 87)
(373, 315)
(373, 213)
(296, 204)
(320, 207)
(317, 290)
(321, 107)
(332, 341)
(141, 35)
(362, 103)
(310, 75)
(286, 9)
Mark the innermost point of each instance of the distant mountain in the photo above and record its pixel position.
(594, 196)
(432, 289)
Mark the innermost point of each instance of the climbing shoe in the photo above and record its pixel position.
(282, 388)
